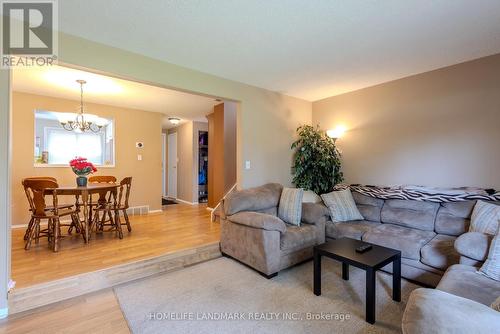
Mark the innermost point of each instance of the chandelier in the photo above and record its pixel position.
(82, 122)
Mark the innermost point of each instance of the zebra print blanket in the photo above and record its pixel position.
(418, 193)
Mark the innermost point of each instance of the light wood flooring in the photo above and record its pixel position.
(98, 312)
(178, 227)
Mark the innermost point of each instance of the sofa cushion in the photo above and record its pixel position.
(464, 281)
(341, 205)
(253, 199)
(298, 237)
(454, 218)
(485, 218)
(473, 245)
(313, 213)
(439, 252)
(353, 229)
(408, 240)
(491, 266)
(433, 311)
(416, 214)
(369, 207)
(290, 206)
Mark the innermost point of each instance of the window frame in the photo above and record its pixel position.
(39, 165)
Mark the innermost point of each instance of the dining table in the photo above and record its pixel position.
(85, 192)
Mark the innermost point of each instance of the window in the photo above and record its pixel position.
(57, 146)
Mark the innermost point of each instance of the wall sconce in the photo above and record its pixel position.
(336, 133)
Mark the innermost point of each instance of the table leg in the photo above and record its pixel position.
(345, 271)
(85, 200)
(317, 273)
(396, 279)
(370, 296)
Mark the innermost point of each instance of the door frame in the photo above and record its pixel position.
(164, 165)
(172, 191)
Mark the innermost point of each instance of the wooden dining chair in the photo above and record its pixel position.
(48, 208)
(107, 216)
(120, 205)
(36, 190)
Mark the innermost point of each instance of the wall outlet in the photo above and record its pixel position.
(247, 164)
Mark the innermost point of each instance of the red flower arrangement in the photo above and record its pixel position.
(82, 167)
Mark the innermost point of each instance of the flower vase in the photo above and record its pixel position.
(81, 181)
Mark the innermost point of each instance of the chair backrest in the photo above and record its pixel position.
(41, 178)
(102, 179)
(124, 192)
(36, 189)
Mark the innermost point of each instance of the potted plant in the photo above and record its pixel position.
(316, 162)
(81, 167)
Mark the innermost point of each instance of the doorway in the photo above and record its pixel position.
(172, 165)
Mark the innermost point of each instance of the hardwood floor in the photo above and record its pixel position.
(98, 312)
(178, 227)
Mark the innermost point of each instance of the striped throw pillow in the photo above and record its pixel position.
(485, 218)
(491, 267)
(341, 206)
(290, 207)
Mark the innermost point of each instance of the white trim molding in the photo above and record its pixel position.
(186, 202)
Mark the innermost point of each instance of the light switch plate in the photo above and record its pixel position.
(139, 157)
(247, 164)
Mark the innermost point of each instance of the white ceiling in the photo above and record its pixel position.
(58, 81)
(310, 49)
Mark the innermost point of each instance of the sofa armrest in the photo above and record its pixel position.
(314, 213)
(433, 311)
(258, 220)
(473, 245)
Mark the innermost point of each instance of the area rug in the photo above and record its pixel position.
(223, 296)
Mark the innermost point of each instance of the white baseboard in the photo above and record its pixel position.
(185, 202)
(155, 211)
(4, 312)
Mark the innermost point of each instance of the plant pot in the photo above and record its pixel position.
(81, 181)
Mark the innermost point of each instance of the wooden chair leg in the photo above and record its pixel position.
(31, 234)
(37, 231)
(118, 224)
(29, 228)
(125, 215)
(57, 232)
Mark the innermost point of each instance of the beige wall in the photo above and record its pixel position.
(267, 120)
(130, 126)
(439, 128)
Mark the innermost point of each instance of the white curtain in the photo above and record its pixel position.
(64, 145)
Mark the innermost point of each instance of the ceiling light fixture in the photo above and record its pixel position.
(174, 120)
(81, 122)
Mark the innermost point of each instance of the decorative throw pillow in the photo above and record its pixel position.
(485, 218)
(341, 205)
(496, 304)
(290, 207)
(491, 266)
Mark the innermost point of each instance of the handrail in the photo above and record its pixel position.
(212, 214)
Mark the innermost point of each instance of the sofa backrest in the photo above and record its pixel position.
(408, 213)
(369, 207)
(454, 218)
(263, 199)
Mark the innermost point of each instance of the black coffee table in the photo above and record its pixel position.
(344, 250)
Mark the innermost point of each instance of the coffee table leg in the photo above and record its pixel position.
(396, 279)
(345, 271)
(370, 296)
(317, 273)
